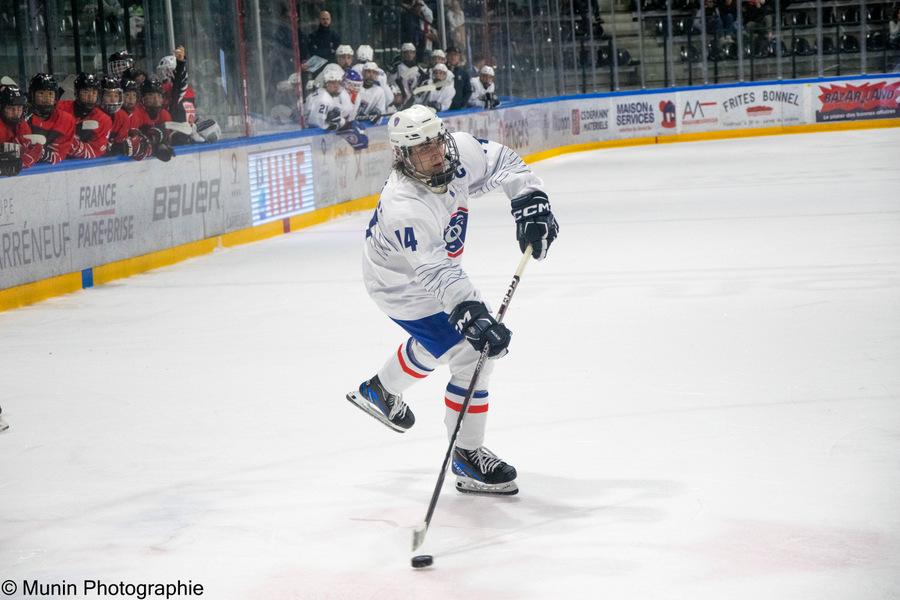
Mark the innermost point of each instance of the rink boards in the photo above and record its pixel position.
(76, 225)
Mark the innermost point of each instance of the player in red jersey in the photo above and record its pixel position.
(17, 150)
(150, 118)
(92, 125)
(123, 139)
(57, 126)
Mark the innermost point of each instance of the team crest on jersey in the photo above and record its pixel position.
(455, 233)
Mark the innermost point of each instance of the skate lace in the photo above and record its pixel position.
(398, 407)
(486, 460)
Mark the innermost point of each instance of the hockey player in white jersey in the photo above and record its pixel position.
(372, 100)
(330, 106)
(438, 91)
(483, 94)
(365, 55)
(409, 74)
(412, 270)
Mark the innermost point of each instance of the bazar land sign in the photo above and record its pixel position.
(848, 102)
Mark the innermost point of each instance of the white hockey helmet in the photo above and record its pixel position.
(486, 70)
(343, 50)
(439, 68)
(438, 54)
(416, 126)
(365, 53)
(408, 47)
(166, 67)
(332, 72)
(370, 66)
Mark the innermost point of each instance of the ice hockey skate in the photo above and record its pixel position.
(376, 401)
(480, 471)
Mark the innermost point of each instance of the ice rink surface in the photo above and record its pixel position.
(702, 400)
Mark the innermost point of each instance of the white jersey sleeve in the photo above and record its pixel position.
(439, 99)
(487, 165)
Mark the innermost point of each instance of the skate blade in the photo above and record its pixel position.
(367, 407)
(466, 485)
(3, 426)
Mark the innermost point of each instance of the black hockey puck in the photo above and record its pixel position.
(422, 561)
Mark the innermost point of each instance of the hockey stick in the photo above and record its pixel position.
(419, 532)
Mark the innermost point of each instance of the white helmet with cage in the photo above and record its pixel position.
(420, 126)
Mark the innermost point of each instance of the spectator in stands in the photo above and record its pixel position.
(324, 40)
(894, 28)
(18, 150)
(727, 10)
(483, 94)
(415, 25)
(461, 79)
(58, 127)
(456, 25)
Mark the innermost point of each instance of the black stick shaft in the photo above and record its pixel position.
(470, 391)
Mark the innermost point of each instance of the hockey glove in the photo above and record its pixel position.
(473, 320)
(535, 223)
(10, 159)
(163, 152)
(333, 119)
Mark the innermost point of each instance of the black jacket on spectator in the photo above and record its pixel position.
(323, 42)
(463, 83)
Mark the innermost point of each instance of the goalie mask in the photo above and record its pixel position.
(423, 149)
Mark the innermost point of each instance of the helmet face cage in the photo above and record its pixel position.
(119, 63)
(86, 81)
(410, 165)
(38, 83)
(110, 85)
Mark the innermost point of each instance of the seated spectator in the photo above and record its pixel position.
(58, 127)
(330, 107)
(438, 91)
(483, 94)
(461, 79)
(727, 11)
(18, 147)
(324, 40)
(92, 125)
(373, 99)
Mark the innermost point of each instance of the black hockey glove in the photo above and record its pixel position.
(10, 159)
(333, 118)
(535, 223)
(491, 101)
(163, 152)
(473, 320)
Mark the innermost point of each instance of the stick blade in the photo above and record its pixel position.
(418, 536)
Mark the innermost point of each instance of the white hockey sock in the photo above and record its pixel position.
(471, 433)
(410, 363)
